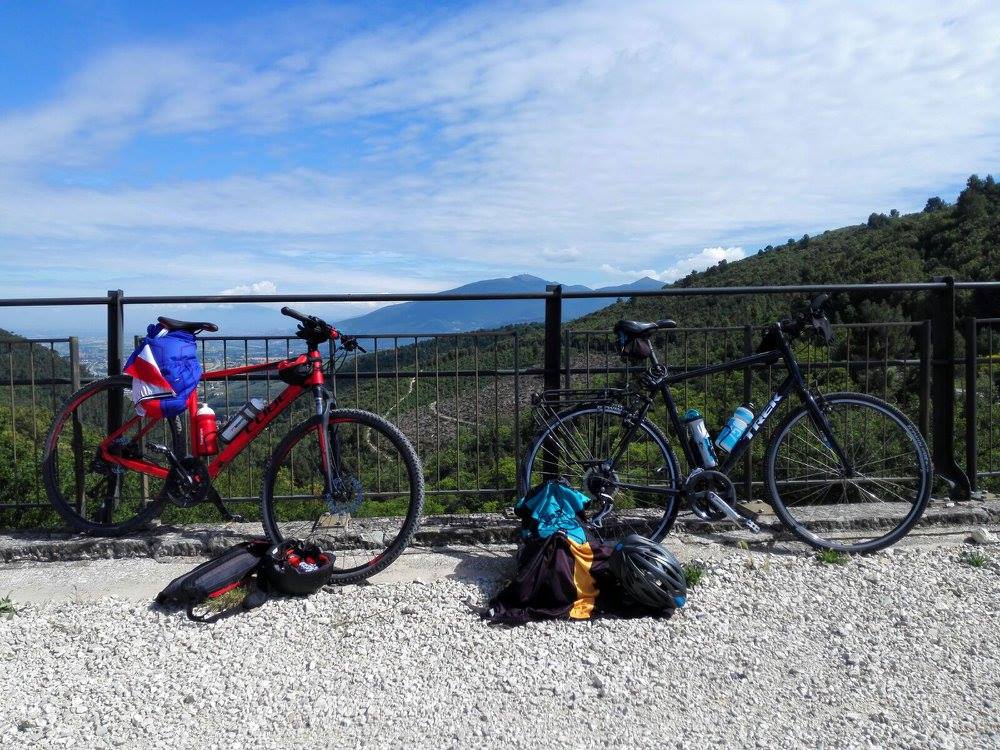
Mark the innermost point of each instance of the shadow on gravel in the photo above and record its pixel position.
(484, 567)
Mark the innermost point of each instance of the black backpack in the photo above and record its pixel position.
(237, 566)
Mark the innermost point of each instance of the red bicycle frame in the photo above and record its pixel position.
(226, 456)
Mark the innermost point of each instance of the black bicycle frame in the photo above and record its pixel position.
(794, 382)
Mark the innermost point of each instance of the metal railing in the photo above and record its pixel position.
(462, 397)
(981, 402)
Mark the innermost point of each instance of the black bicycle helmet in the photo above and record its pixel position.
(649, 573)
(295, 568)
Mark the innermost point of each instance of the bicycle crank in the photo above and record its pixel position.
(729, 512)
(705, 489)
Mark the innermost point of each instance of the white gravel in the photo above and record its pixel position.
(898, 650)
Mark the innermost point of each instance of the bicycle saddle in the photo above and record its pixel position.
(636, 328)
(187, 325)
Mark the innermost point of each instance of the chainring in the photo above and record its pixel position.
(192, 489)
(699, 485)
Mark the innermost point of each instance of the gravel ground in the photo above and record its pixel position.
(894, 650)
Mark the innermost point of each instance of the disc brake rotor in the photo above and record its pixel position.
(348, 497)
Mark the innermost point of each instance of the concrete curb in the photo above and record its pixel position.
(435, 531)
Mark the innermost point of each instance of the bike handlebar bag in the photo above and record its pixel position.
(165, 370)
(234, 567)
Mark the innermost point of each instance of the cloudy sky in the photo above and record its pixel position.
(200, 147)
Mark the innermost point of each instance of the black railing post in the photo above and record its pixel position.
(551, 365)
(971, 421)
(943, 390)
(116, 348)
(553, 335)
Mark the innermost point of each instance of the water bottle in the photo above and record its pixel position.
(700, 438)
(206, 431)
(241, 419)
(735, 427)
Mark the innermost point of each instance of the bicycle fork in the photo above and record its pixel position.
(332, 483)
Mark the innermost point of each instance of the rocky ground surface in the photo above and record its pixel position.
(899, 649)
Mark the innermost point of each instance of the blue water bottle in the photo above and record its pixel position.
(735, 427)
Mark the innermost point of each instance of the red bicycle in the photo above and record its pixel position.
(345, 479)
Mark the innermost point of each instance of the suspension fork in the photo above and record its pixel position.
(328, 445)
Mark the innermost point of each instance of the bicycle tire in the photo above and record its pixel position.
(921, 455)
(370, 421)
(51, 476)
(672, 506)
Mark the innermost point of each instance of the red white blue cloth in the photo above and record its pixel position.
(165, 370)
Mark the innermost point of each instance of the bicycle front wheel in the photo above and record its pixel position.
(372, 514)
(866, 508)
(578, 447)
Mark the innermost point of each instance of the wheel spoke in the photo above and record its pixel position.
(817, 498)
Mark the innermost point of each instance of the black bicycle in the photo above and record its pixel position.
(840, 470)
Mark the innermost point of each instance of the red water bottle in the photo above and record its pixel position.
(206, 430)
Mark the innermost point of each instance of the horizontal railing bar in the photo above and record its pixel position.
(922, 286)
(711, 291)
(527, 372)
(292, 337)
(264, 298)
(11, 342)
(977, 284)
(53, 302)
(731, 329)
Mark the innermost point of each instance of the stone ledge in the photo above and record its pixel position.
(204, 540)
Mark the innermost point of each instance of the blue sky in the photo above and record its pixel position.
(203, 147)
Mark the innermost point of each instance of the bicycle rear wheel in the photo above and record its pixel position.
(577, 447)
(861, 511)
(380, 496)
(91, 494)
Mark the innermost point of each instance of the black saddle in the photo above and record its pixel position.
(634, 328)
(190, 326)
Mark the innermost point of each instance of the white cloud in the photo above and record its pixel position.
(639, 129)
(256, 287)
(699, 261)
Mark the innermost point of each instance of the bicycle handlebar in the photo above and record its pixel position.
(295, 314)
(815, 319)
(312, 329)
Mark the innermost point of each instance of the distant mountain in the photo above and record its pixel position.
(453, 317)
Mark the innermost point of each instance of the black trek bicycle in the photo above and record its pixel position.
(843, 471)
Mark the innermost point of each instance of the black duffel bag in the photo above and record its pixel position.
(291, 568)
(237, 566)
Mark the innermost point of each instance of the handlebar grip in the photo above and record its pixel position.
(294, 314)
